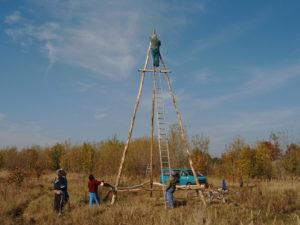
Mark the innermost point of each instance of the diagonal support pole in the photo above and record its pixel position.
(131, 126)
(181, 128)
(152, 136)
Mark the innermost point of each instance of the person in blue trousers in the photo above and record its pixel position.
(155, 46)
(170, 189)
(224, 185)
(93, 190)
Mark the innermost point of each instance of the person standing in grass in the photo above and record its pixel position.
(224, 185)
(61, 195)
(93, 190)
(170, 189)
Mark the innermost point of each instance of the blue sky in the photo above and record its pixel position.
(69, 68)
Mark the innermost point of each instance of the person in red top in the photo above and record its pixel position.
(93, 190)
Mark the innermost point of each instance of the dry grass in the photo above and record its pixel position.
(275, 202)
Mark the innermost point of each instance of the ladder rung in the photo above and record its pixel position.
(162, 138)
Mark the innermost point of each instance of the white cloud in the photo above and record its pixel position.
(13, 18)
(2, 116)
(264, 80)
(221, 36)
(105, 37)
(23, 139)
(99, 113)
(30, 126)
(227, 34)
(100, 116)
(83, 87)
(23, 134)
(261, 81)
(205, 76)
(252, 126)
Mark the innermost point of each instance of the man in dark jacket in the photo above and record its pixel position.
(170, 189)
(61, 195)
(93, 190)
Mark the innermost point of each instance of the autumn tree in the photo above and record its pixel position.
(10, 158)
(200, 156)
(274, 146)
(178, 156)
(29, 157)
(230, 159)
(291, 159)
(1, 160)
(138, 157)
(263, 161)
(54, 156)
(108, 156)
(88, 156)
(245, 162)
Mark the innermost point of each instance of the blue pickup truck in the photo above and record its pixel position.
(186, 177)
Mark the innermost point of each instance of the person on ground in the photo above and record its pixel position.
(241, 182)
(93, 190)
(224, 185)
(61, 195)
(170, 189)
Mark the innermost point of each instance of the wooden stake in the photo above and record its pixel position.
(181, 128)
(152, 136)
(131, 126)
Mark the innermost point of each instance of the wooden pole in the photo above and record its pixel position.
(152, 135)
(131, 126)
(181, 128)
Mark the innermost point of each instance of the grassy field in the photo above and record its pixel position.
(274, 202)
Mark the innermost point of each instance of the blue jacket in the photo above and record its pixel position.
(61, 184)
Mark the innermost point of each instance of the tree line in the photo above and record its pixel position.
(266, 159)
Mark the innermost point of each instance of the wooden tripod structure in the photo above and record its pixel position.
(161, 71)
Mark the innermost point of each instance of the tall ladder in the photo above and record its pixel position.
(162, 125)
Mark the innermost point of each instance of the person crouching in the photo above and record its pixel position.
(93, 190)
(170, 189)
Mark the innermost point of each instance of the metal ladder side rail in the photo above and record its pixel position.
(158, 133)
(162, 128)
(166, 128)
(158, 124)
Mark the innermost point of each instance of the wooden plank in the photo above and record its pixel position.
(155, 70)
